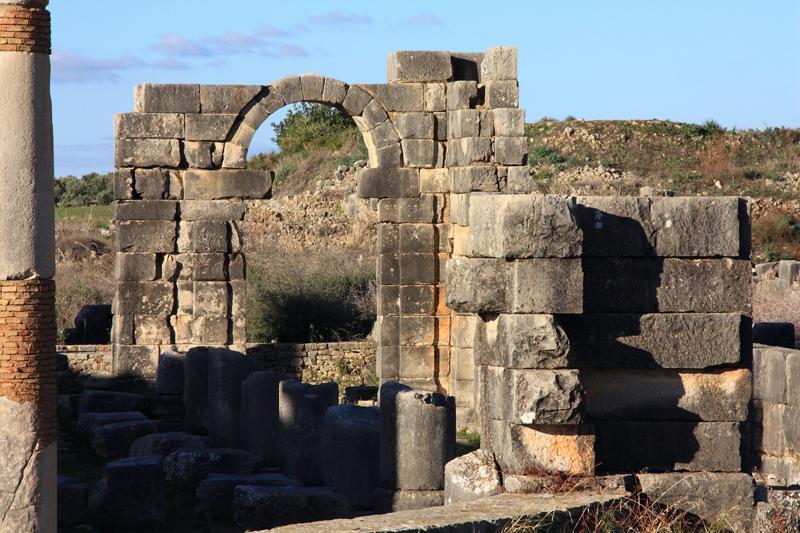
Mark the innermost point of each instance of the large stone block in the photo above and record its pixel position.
(227, 98)
(499, 63)
(152, 184)
(399, 96)
(148, 126)
(169, 377)
(614, 225)
(146, 210)
(257, 508)
(461, 94)
(543, 397)
(186, 468)
(725, 500)
(390, 501)
(417, 437)
(164, 444)
(73, 501)
(137, 491)
(407, 66)
(148, 153)
(414, 125)
(547, 449)
(475, 179)
(697, 227)
(221, 184)
(669, 446)
(652, 395)
(478, 285)
(545, 285)
(226, 371)
(388, 183)
(113, 441)
(471, 476)
(521, 226)
(167, 98)
(144, 298)
(509, 122)
(135, 360)
(302, 410)
(667, 340)
(204, 236)
(157, 236)
(500, 94)
(511, 150)
(135, 267)
(259, 415)
(770, 374)
(646, 285)
(216, 493)
(209, 126)
(351, 453)
(522, 341)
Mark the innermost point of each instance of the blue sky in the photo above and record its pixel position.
(734, 61)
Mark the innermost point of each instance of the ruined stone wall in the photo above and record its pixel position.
(776, 415)
(318, 362)
(84, 360)
(613, 333)
(776, 294)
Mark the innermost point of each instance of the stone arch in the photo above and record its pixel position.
(370, 115)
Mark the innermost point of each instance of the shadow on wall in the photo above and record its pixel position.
(621, 278)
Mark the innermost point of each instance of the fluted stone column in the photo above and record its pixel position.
(27, 265)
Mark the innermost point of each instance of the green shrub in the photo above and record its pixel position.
(77, 192)
(309, 126)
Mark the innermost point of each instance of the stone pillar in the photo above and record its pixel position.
(27, 265)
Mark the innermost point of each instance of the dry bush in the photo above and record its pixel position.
(775, 235)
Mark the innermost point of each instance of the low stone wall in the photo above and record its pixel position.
(776, 415)
(84, 359)
(350, 363)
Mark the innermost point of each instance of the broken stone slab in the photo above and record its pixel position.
(389, 501)
(216, 493)
(113, 441)
(136, 494)
(302, 409)
(547, 449)
(166, 443)
(169, 376)
(257, 508)
(668, 446)
(195, 390)
(522, 226)
(405, 66)
(666, 285)
(471, 476)
(73, 501)
(226, 371)
(351, 453)
(417, 437)
(521, 341)
(259, 415)
(651, 395)
(725, 500)
(226, 183)
(478, 285)
(89, 422)
(622, 340)
(95, 401)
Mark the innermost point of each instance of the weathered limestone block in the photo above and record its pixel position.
(434, 181)
(511, 150)
(545, 285)
(226, 98)
(463, 123)
(500, 94)
(226, 371)
(351, 453)
(169, 378)
(204, 154)
(216, 493)
(148, 153)
(698, 227)
(478, 285)
(302, 410)
(113, 441)
(155, 236)
(123, 184)
(768, 430)
(435, 97)
(97, 401)
(421, 153)
(148, 126)
(257, 508)
(398, 96)
(726, 500)
(164, 444)
(543, 397)
(204, 236)
(389, 501)
(474, 179)
(152, 183)
(135, 267)
(259, 415)
(547, 449)
(371, 117)
(521, 226)
(667, 340)
(388, 183)
(668, 285)
(197, 267)
(404, 210)
(499, 63)
(669, 446)
(651, 395)
(470, 477)
(195, 389)
(167, 98)
(334, 91)
(211, 298)
(461, 94)
(417, 437)
(405, 66)
(355, 101)
(144, 297)
(522, 341)
(146, 210)
(222, 184)
(509, 122)
(136, 493)
(615, 225)
(468, 151)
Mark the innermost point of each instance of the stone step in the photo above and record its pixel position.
(215, 493)
(267, 507)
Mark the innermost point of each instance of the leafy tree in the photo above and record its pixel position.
(310, 126)
(71, 191)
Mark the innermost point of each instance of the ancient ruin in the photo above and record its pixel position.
(605, 339)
